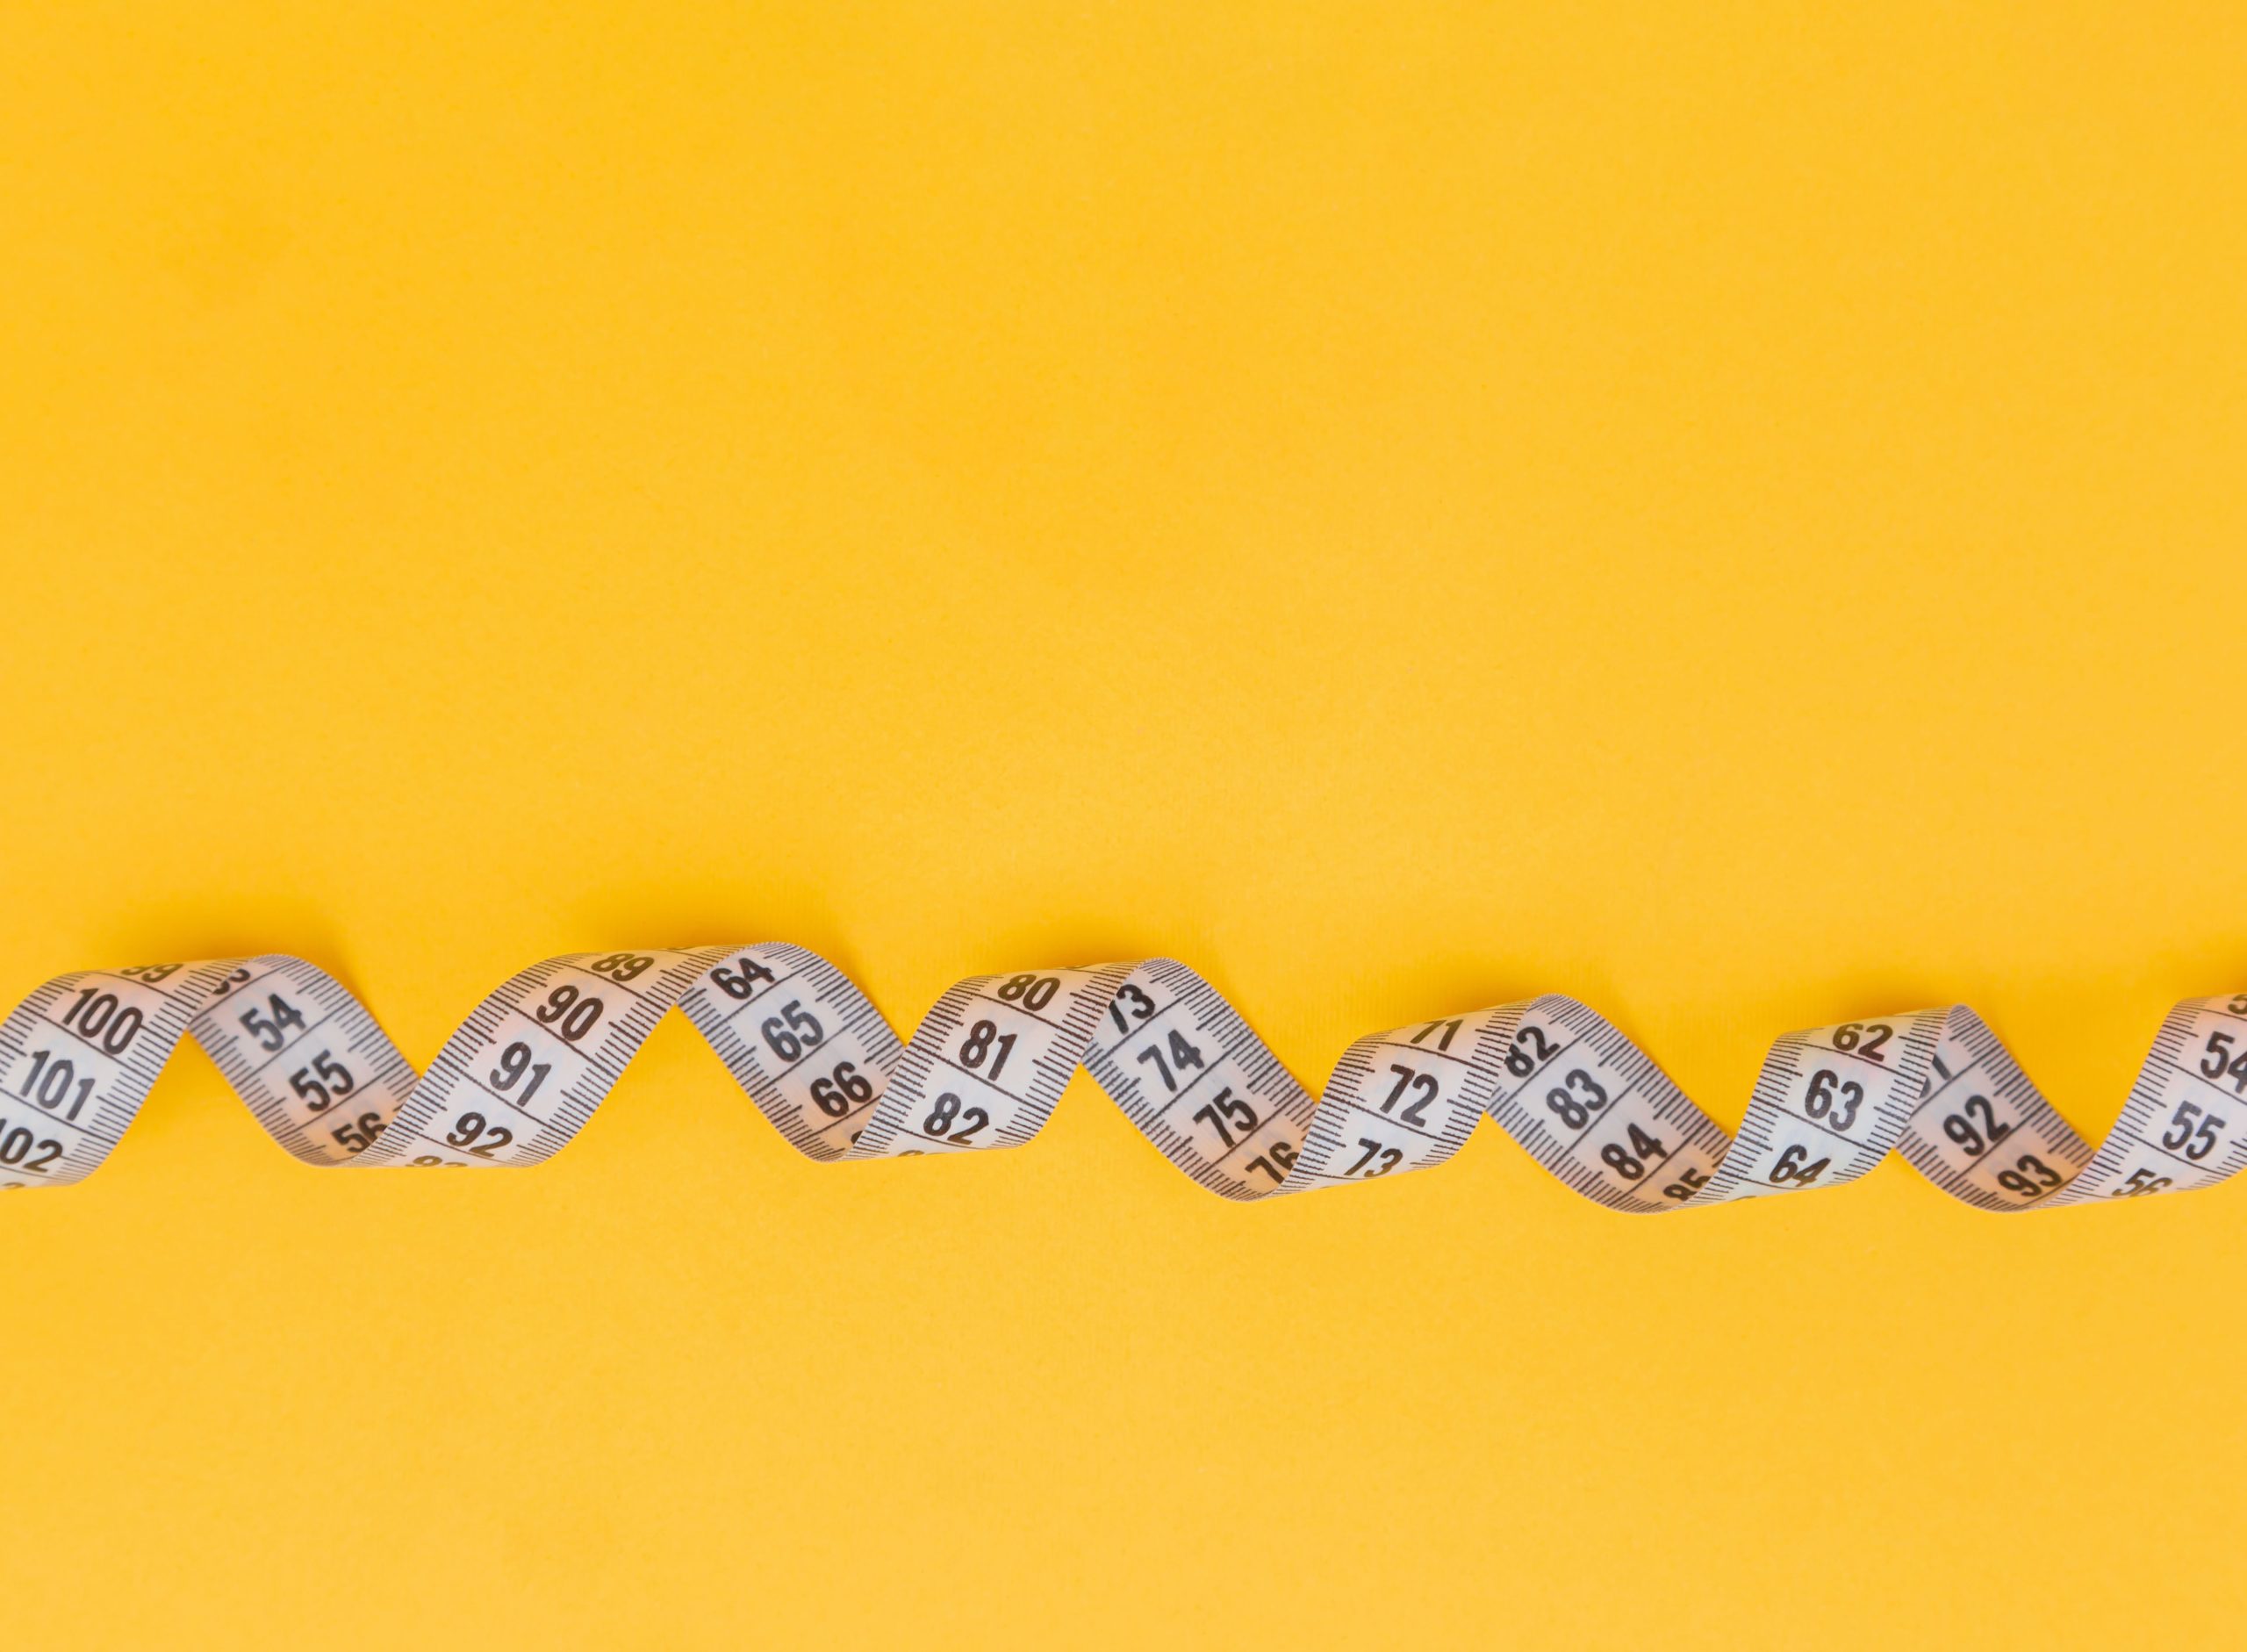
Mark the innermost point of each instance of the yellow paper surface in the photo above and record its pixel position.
(1731, 511)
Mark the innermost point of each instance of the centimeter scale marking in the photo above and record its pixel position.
(525, 1071)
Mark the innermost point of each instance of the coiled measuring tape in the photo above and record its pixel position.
(523, 1074)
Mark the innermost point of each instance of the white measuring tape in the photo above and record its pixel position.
(525, 1072)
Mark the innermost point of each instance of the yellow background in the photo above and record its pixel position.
(1732, 511)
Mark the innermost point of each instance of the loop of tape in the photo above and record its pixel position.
(524, 1073)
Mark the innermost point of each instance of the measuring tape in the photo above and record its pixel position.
(524, 1073)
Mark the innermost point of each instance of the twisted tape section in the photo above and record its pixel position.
(523, 1074)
